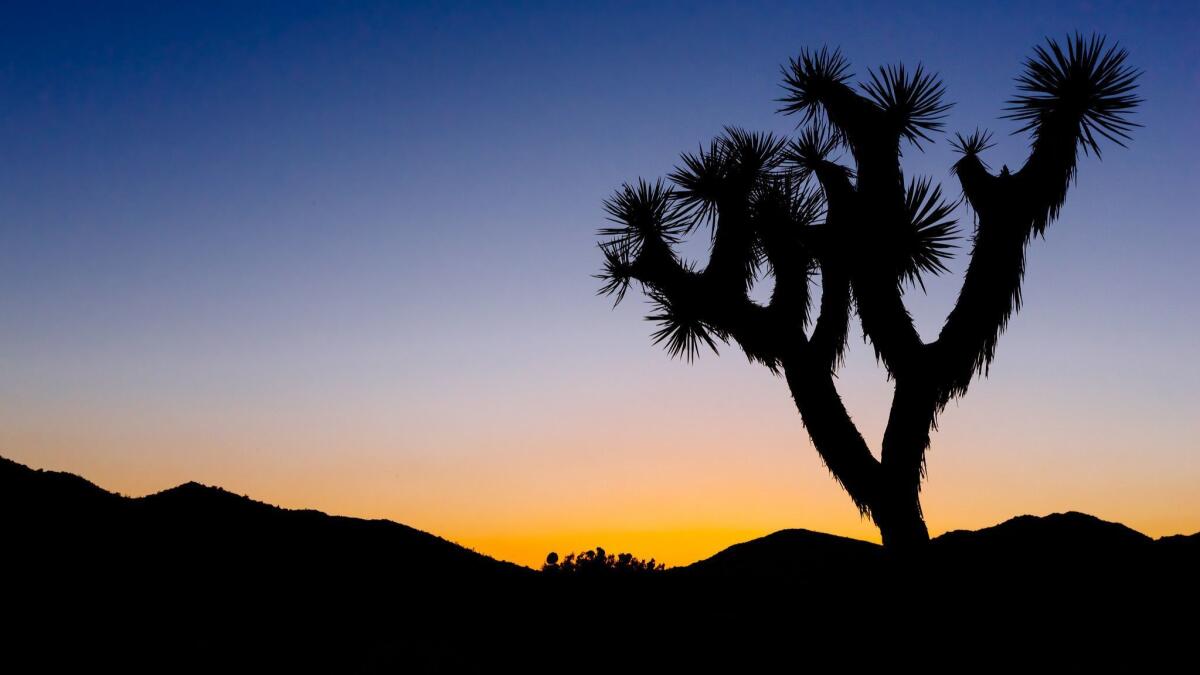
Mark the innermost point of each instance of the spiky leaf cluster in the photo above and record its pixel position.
(681, 330)
(932, 232)
(813, 146)
(973, 143)
(644, 213)
(808, 79)
(911, 101)
(1085, 83)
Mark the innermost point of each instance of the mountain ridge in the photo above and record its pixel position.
(198, 575)
(1048, 530)
(53, 499)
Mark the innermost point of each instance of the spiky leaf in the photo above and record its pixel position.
(973, 143)
(679, 329)
(912, 101)
(810, 76)
(1084, 83)
(700, 181)
(644, 213)
(815, 144)
(932, 233)
(616, 272)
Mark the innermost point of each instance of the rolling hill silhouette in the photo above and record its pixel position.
(1032, 542)
(795, 554)
(193, 521)
(201, 574)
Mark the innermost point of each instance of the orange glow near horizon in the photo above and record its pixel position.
(689, 520)
(676, 492)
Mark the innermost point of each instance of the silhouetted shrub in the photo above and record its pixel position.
(596, 563)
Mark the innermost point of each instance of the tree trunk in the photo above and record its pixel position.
(889, 489)
(897, 513)
(897, 510)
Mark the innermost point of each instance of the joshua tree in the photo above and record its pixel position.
(786, 209)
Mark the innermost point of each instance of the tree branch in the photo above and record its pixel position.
(828, 341)
(871, 208)
(831, 430)
(727, 310)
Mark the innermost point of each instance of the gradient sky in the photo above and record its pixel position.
(338, 256)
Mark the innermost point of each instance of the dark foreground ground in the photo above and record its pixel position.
(199, 579)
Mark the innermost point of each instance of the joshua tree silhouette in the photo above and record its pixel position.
(785, 209)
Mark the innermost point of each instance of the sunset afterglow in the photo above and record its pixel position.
(341, 259)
